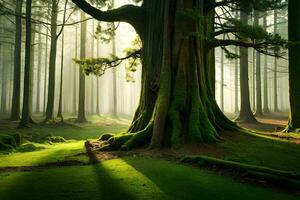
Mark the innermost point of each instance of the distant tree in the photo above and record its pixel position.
(258, 112)
(81, 98)
(246, 115)
(275, 81)
(15, 107)
(266, 77)
(25, 120)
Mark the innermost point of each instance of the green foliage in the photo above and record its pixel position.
(188, 14)
(98, 66)
(259, 5)
(55, 139)
(6, 147)
(9, 140)
(134, 61)
(29, 147)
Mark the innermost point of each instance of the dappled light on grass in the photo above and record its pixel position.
(130, 183)
(52, 153)
(129, 179)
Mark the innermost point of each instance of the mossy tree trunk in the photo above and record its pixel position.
(294, 65)
(177, 97)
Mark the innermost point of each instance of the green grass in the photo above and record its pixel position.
(70, 130)
(51, 153)
(263, 151)
(130, 178)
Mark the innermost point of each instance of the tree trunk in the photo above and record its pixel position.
(258, 74)
(177, 102)
(275, 69)
(59, 113)
(4, 74)
(114, 81)
(236, 81)
(98, 83)
(81, 105)
(294, 65)
(52, 62)
(222, 82)
(15, 108)
(266, 96)
(75, 72)
(246, 115)
(39, 72)
(27, 76)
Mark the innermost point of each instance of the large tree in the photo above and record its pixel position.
(294, 64)
(177, 98)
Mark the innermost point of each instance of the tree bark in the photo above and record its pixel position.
(27, 76)
(59, 113)
(81, 104)
(266, 77)
(246, 115)
(177, 101)
(52, 62)
(275, 69)
(258, 74)
(294, 63)
(39, 72)
(15, 108)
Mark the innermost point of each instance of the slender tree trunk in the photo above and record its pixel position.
(222, 82)
(45, 75)
(258, 74)
(294, 63)
(266, 96)
(27, 76)
(59, 113)
(81, 105)
(246, 115)
(253, 80)
(114, 71)
(32, 65)
(4, 77)
(52, 62)
(15, 108)
(92, 77)
(275, 68)
(75, 72)
(39, 72)
(98, 82)
(46, 66)
(236, 81)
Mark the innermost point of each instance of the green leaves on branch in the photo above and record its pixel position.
(132, 62)
(259, 5)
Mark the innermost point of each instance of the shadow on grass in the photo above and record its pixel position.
(182, 182)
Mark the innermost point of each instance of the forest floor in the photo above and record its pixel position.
(65, 171)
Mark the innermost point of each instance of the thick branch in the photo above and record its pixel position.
(129, 13)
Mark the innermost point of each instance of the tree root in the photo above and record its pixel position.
(278, 177)
(126, 141)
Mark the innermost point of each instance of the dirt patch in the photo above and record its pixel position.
(45, 166)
